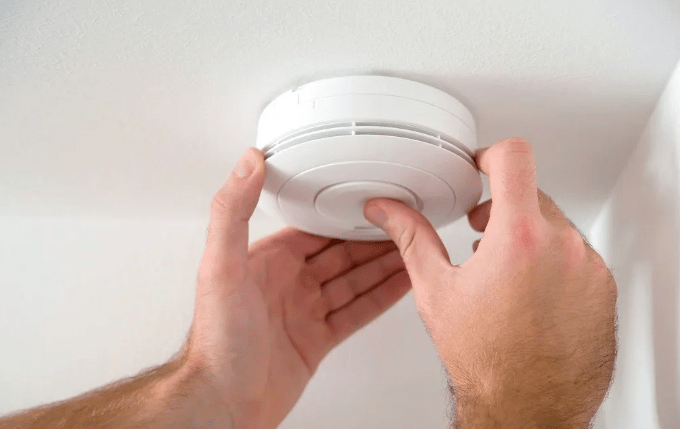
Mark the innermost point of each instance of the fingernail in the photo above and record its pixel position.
(376, 215)
(245, 166)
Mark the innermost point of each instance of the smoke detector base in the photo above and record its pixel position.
(332, 145)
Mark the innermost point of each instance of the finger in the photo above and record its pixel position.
(339, 258)
(331, 242)
(343, 289)
(475, 245)
(231, 209)
(421, 248)
(300, 243)
(511, 169)
(366, 307)
(479, 216)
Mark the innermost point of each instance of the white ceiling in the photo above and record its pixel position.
(140, 108)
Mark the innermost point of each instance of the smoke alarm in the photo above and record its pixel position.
(332, 145)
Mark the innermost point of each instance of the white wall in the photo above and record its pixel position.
(84, 302)
(638, 234)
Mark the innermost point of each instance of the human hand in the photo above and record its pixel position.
(266, 316)
(526, 326)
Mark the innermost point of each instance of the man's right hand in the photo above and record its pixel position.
(526, 326)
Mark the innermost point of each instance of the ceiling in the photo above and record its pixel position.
(140, 108)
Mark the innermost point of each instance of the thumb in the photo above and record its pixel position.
(423, 252)
(226, 249)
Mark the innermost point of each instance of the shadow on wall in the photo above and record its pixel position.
(644, 244)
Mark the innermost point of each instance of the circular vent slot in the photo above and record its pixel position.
(369, 128)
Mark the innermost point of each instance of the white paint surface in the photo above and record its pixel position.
(638, 234)
(119, 119)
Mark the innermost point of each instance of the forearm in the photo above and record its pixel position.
(171, 395)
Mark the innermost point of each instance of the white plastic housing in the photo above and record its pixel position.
(333, 144)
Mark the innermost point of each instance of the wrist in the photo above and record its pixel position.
(189, 388)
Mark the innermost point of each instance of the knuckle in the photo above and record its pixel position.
(527, 235)
(218, 206)
(573, 247)
(572, 240)
(405, 241)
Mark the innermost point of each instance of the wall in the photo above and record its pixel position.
(84, 302)
(638, 234)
